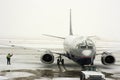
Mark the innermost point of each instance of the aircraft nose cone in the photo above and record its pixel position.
(86, 52)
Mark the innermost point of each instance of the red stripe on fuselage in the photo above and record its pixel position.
(85, 57)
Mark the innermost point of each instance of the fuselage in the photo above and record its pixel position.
(80, 49)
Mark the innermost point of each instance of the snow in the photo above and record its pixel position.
(17, 74)
(116, 76)
(3, 78)
(60, 78)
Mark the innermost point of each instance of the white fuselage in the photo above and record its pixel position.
(80, 49)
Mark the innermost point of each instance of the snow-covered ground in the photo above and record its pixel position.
(29, 67)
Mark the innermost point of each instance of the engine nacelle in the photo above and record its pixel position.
(107, 58)
(47, 57)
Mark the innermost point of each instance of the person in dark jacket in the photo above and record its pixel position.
(9, 58)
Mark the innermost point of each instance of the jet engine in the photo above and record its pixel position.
(47, 57)
(107, 58)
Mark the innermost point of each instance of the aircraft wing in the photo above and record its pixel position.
(105, 45)
(53, 48)
(112, 47)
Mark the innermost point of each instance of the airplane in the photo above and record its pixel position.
(81, 50)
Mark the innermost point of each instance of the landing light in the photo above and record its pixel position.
(86, 52)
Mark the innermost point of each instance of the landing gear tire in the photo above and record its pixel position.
(92, 63)
(62, 61)
(82, 77)
(58, 62)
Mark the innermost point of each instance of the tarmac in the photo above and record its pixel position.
(29, 67)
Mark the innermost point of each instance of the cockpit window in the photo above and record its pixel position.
(90, 47)
(83, 47)
(87, 44)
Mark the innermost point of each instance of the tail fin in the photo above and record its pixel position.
(70, 33)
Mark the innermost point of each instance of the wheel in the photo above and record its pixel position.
(62, 61)
(92, 63)
(58, 61)
(82, 77)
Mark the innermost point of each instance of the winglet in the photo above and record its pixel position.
(70, 33)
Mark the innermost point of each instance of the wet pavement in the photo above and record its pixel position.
(26, 74)
(29, 67)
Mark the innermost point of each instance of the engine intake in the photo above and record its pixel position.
(47, 57)
(107, 58)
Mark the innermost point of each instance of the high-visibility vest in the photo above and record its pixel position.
(8, 56)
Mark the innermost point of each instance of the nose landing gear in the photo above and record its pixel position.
(60, 60)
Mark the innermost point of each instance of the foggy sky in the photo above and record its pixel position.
(31, 18)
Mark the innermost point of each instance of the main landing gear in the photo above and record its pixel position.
(60, 60)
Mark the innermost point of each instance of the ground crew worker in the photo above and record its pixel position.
(8, 58)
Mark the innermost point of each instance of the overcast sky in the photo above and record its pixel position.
(31, 18)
